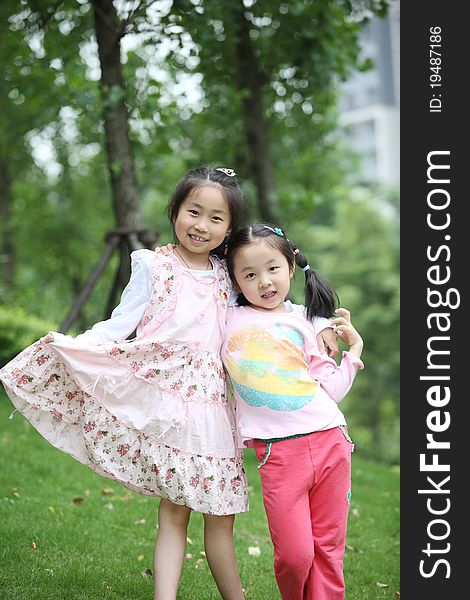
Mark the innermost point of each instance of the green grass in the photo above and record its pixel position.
(99, 547)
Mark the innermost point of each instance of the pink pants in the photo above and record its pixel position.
(306, 490)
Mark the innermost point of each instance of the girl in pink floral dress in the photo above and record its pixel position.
(152, 412)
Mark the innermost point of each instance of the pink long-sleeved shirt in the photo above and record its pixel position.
(283, 386)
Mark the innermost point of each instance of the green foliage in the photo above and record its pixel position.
(299, 53)
(59, 235)
(19, 329)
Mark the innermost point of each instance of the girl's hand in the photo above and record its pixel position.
(166, 250)
(346, 332)
(327, 340)
(49, 337)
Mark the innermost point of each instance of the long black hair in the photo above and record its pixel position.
(321, 299)
(227, 181)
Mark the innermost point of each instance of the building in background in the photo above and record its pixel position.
(370, 102)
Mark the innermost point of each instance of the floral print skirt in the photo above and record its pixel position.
(112, 443)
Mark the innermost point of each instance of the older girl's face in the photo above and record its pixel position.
(262, 275)
(203, 220)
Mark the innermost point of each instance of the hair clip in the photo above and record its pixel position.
(306, 268)
(277, 230)
(228, 172)
(296, 251)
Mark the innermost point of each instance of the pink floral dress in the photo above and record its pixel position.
(151, 412)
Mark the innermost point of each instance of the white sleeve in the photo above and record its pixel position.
(319, 323)
(128, 314)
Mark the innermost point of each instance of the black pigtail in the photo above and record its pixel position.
(321, 299)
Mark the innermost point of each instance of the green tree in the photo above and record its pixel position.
(46, 92)
(269, 72)
(24, 106)
(60, 34)
(359, 255)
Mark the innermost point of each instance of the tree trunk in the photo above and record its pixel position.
(125, 193)
(250, 79)
(6, 250)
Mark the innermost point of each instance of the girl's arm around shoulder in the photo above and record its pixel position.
(337, 379)
(221, 264)
(346, 331)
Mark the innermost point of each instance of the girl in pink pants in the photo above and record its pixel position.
(287, 395)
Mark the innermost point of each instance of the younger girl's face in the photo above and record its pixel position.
(262, 275)
(203, 220)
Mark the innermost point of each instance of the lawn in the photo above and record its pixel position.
(68, 533)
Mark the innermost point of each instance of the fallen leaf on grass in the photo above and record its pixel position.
(199, 563)
(51, 509)
(33, 545)
(125, 497)
(254, 551)
(147, 573)
(140, 522)
(78, 500)
(202, 553)
(381, 585)
(189, 556)
(86, 493)
(107, 491)
(355, 513)
(109, 506)
(397, 594)
(140, 557)
(353, 549)
(189, 540)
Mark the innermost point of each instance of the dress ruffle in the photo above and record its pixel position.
(119, 448)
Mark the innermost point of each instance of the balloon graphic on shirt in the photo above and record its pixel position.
(269, 368)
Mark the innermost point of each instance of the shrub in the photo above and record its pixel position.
(18, 329)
